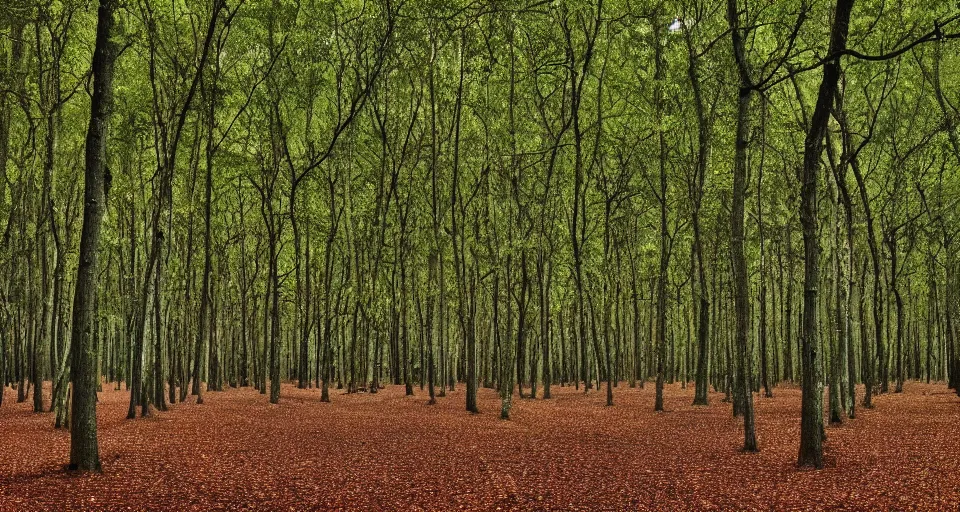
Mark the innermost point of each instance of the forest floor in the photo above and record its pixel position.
(390, 452)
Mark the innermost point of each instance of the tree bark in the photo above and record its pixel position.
(811, 423)
(738, 262)
(84, 451)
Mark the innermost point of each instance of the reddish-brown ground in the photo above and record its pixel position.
(391, 452)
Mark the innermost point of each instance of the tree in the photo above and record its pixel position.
(811, 425)
(84, 451)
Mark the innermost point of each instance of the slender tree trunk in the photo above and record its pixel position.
(847, 265)
(659, 76)
(158, 396)
(898, 301)
(545, 327)
(203, 324)
(877, 300)
(764, 351)
(429, 326)
(740, 278)
(84, 451)
(836, 305)
(811, 424)
(738, 260)
(788, 364)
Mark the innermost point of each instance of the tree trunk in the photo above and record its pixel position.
(811, 424)
(84, 452)
(659, 76)
(738, 261)
(877, 290)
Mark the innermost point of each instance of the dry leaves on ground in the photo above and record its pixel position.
(386, 451)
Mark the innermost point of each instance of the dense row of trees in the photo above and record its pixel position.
(503, 194)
